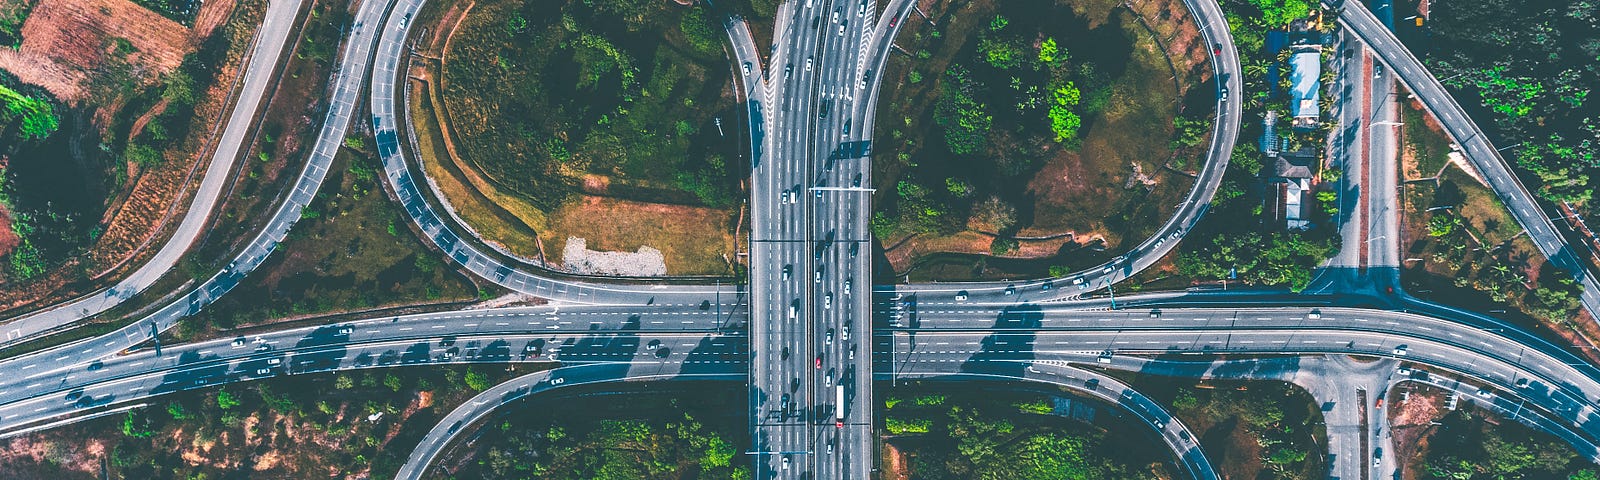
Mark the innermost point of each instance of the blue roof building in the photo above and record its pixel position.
(1304, 83)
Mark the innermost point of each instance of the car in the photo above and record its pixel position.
(1400, 351)
(830, 449)
(817, 278)
(1155, 314)
(855, 247)
(1216, 49)
(852, 352)
(1522, 383)
(816, 21)
(1045, 286)
(828, 337)
(1314, 315)
(238, 342)
(263, 347)
(862, 10)
(808, 64)
(1103, 358)
(836, 12)
(1011, 289)
(1486, 392)
(846, 287)
(894, 21)
(1077, 281)
(531, 349)
(345, 330)
(788, 68)
(845, 334)
(846, 128)
(793, 311)
(961, 296)
(819, 362)
(1377, 457)
(823, 112)
(1377, 70)
(841, 29)
(1224, 94)
(746, 69)
(1404, 371)
(827, 301)
(274, 361)
(785, 463)
(829, 379)
(263, 371)
(787, 269)
(855, 183)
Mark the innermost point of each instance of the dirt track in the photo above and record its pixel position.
(63, 41)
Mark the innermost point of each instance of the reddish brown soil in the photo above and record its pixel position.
(63, 39)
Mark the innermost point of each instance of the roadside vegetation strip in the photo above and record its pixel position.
(635, 131)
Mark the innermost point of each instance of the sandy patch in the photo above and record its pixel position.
(646, 262)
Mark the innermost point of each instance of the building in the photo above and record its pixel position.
(1289, 190)
(1305, 74)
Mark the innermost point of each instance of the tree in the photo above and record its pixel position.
(965, 120)
(1063, 121)
(393, 382)
(1049, 52)
(477, 380)
(226, 400)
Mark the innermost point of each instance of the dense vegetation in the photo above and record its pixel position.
(1010, 100)
(646, 436)
(1236, 242)
(12, 16)
(350, 424)
(1011, 435)
(543, 94)
(1465, 448)
(1528, 68)
(25, 119)
(181, 11)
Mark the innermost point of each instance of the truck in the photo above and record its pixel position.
(838, 406)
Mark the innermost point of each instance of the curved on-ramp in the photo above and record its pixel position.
(1105, 388)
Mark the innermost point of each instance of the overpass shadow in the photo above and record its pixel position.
(1008, 350)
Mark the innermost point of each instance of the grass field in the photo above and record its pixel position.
(1059, 187)
(1469, 442)
(554, 109)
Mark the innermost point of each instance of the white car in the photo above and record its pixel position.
(827, 302)
(808, 64)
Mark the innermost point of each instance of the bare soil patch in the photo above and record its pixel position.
(64, 40)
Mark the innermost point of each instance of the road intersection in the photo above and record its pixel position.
(809, 314)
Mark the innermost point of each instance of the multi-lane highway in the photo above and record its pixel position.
(991, 340)
(257, 75)
(810, 380)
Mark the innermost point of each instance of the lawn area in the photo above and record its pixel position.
(1018, 135)
(937, 431)
(302, 426)
(352, 250)
(551, 108)
(1469, 442)
(657, 431)
(1427, 147)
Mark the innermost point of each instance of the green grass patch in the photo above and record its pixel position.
(1429, 148)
